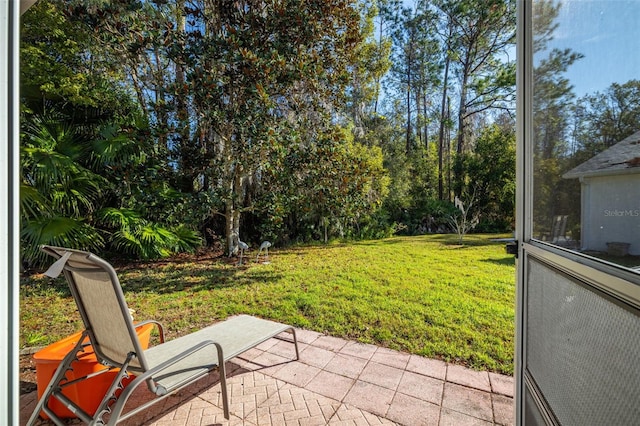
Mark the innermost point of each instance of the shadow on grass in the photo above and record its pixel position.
(398, 239)
(39, 285)
(505, 261)
(161, 278)
(471, 240)
(168, 276)
(195, 278)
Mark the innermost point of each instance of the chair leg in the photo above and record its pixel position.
(223, 381)
(110, 396)
(54, 384)
(295, 342)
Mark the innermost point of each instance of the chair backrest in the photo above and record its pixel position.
(96, 289)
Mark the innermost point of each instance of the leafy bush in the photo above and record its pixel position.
(142, 239)
(62, 195)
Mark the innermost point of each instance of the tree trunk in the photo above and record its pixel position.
(443, 111)
(139, 91)
(232, 212)
(325, 222)
(161, 110)
(230, 227)
(448, 145)
(408, 142)
(187, 176)
(460, 146)
(426, 123)
(418, 121)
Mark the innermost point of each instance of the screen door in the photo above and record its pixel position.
(578, 219)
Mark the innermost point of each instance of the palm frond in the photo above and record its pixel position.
(157, 241)
(77, 196)
(32, 203)
(122, 218)
(116, 149)
(42, 167)
(53, 133)
(59, 231)
(125, 242)
(187, 240)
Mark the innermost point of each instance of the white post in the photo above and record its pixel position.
(9, 212)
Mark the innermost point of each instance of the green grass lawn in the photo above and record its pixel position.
(425, 295)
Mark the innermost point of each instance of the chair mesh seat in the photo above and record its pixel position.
(236, 335)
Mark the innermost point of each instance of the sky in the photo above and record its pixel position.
(607, 33)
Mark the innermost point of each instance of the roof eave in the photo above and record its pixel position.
(599, 173)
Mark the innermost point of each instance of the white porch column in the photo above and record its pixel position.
(9, 211)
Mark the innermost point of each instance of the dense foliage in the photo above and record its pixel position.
(154, 127)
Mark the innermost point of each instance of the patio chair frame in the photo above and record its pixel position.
(165, 368)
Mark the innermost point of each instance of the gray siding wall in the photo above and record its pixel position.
(611, 211)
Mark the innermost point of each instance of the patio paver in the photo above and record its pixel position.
(346, 365)
(382, 375)
(335, 382)
(428, 367)
(504, 385)
(473, 379)
(360, 350)
(330, 384)
(391, 358)
(423, 387)
(318, 357)
(408, 410)
(472, 402)
(372, 398)
(502, 410)
(453, 418)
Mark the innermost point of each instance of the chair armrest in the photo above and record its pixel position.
(158, 324)
(158, 390)
(147, 376)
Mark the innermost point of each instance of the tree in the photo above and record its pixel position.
(227, 79)
(445, 118)
(476, 37)
(465, 219)
(387, 18)
(347, 183)
(491, 173)
(60, 69)
(415, 70)
(252, 119)
(482, 32)
(67, 199)
(371, 61)
(57, 193)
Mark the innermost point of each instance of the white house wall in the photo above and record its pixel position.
(611, 211)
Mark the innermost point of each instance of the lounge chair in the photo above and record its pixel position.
(165, 368)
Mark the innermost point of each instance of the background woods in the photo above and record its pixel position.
(155, 127)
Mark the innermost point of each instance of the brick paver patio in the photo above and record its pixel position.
(335, 382)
